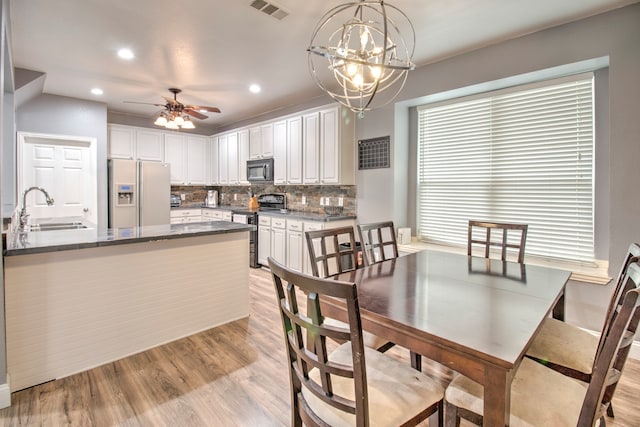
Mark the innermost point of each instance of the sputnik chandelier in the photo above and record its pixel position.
(359, 56)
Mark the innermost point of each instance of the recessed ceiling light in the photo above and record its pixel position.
(97, 91)
(125, 54)
(254, 88)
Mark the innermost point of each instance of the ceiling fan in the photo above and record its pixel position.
(176, 114)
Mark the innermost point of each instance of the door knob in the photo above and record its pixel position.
(85, 210)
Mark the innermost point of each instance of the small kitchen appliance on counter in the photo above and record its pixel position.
(175, 201)
(211, 201)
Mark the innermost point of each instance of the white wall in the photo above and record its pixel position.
(59, 115)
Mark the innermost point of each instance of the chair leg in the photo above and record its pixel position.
(610, 410)
(451, 419)
(416, 361)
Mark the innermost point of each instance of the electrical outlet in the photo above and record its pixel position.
(182, 197)
(340, 201)
(303, 200)
(327, 201)
(321, 201)
(235, 196)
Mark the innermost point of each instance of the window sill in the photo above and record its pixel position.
(595, 273)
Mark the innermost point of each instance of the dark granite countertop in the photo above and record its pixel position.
(308, 216)
(53, 241)
(302, 215)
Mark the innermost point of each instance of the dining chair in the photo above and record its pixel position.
(543, 397)
(335, 250)
(378, 241)
(351, 385)
(479, 233)
(571, 350)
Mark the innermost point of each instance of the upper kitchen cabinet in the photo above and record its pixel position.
(311, 148)
(294, 150)
(287, 151)
(261, 141)
(280, 153)
(127, 142)
(196, 160)
(243, 155)
(122, 142)
(337, 146)
(175, 147)
(149, 145)
(228, 159)
(187, 157)
(214, 173)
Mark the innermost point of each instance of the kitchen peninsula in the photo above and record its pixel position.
(76, 299)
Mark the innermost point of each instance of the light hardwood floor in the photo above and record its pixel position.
(233, 375)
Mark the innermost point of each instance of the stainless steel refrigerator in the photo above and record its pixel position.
(139, 193)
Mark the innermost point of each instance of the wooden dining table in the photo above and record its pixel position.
(473, 315)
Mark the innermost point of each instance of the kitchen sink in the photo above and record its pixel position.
(50, 226)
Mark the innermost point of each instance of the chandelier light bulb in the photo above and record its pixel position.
(352, 69)
(161, 121)
(179, 120)
(188, 124)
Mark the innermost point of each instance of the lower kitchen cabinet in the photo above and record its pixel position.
(279, 240)
(184, 216)
(295, 245)
(264, 239)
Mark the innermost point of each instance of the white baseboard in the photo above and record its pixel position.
(5, 396)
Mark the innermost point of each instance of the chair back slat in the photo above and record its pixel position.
(303, 357)
(334, 249)
(479, 233)
(612, 353)
(378, 242)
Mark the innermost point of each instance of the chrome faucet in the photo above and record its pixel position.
(23, 212)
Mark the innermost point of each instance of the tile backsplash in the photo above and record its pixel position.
(238, 196)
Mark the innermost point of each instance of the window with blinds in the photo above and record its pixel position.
(523, 157)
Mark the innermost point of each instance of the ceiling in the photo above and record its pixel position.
(214, 49)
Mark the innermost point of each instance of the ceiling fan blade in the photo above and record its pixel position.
(203, 108)
(194, 113)
(171, 101)
(145, 103)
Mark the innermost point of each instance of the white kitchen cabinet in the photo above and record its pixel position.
(279, 240)
(232, 158)
(337, 146)
(311, 148)
(280, 152)
(149, 145)
(196, 160)
(174, 154)
(122, 142)
(295, 244)
(211, 215)
(293, 150)
(264, 239)
(213, 161)
(243, 155)
(184, 216)
(223, 163)
(261, 141)
(309, 226)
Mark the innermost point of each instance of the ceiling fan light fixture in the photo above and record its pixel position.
(178, 120)
(188, 124)
(171, 125)
(161, 120)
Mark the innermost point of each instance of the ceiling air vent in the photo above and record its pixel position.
(269, 8)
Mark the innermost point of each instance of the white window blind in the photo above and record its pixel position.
(522, 157)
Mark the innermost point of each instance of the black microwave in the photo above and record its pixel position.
(260, 170)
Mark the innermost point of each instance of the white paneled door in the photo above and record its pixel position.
(65, 168)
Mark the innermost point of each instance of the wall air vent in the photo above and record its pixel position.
(269, 8)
